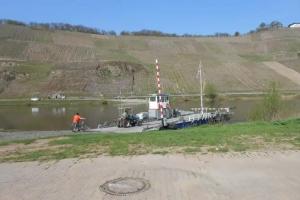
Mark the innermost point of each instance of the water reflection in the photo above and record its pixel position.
(35, 111)
(59, 111)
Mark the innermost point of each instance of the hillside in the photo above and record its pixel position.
(39, 62)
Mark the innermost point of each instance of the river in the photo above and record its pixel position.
(58, 117)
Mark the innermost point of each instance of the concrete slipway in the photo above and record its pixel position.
(255, 175)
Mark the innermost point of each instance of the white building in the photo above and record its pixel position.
(294, 25)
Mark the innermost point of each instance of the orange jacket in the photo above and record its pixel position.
(76, 118)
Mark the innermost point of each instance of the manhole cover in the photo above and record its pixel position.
(125, 186)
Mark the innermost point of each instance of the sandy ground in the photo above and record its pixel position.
(255, 175)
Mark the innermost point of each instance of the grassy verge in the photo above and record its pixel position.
(215, 138)
(25, 142)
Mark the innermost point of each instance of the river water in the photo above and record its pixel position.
(58, 117)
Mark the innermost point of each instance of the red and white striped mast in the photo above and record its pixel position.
(159, 90)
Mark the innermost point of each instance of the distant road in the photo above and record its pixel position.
(142, 98)
(285, 92)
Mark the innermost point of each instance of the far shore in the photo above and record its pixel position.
(135, 99)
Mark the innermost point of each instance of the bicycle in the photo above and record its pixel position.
(81, 126)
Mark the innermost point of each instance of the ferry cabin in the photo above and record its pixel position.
(154, 106)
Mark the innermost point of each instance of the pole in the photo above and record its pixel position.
(159, 91)
(132, 83)
(201, 86)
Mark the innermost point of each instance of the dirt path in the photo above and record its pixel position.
(256, 175)
(289, 73)
(28, 135)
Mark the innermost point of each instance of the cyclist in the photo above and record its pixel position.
(76, 122)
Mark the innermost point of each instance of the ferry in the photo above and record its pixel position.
(160, 114)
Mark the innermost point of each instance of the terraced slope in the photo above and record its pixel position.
(43, 62)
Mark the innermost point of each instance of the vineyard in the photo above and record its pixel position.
(50, 61)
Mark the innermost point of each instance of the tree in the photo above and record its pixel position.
(276, 25)
(273, 25)
(113, 33)
(12, 22)
(270, 107)
(236, 34)
(272, 102)
(211, 93)
(222, 35)
(146, 32)
(251, 32)
(262, 27)
(125, 33)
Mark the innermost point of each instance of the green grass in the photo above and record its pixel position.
(213, 138)
(192, 149)
(36, 71)
(25, 34)
(25, 142)
(11, 48)
(111, 50)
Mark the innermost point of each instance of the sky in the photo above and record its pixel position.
(171, 16)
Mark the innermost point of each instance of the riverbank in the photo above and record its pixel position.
(68, 101)
(279, 135)
(139, 99)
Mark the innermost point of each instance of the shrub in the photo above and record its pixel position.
(270, 107)
(211, 93)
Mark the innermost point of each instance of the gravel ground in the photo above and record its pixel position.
(255, 175)
(24, 135)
